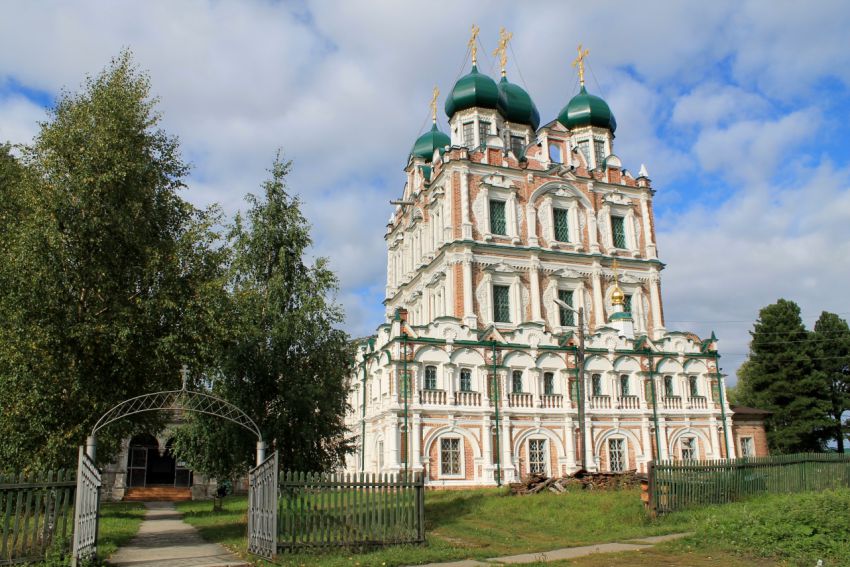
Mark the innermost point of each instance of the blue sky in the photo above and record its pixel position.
(738, 110)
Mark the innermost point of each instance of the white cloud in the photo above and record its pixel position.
(19, 119)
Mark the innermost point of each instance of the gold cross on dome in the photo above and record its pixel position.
(579, 62)
(434, 104)
(615, 266)
(502, 50)
(473, 43)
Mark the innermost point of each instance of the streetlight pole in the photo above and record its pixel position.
(580, 377)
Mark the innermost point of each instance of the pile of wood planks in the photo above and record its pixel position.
(536, 482)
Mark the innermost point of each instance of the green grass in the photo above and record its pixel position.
(471, 524)
(118, 523)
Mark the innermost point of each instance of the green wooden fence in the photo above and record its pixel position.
(674, 485)
(36, 513)
(349, 510)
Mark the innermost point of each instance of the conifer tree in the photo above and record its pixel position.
(779, 376)
(831, 359)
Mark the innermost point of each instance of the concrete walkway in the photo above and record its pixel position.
(562, 554)
(165, 540)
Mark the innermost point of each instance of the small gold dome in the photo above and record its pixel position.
(618, 297)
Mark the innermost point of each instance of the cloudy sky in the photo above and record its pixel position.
(738, 109)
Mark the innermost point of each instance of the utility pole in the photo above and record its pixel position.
(580, 378)
(496, 398)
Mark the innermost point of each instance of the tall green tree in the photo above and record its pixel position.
(830, 342)
(779, 376)
(286, 361)
(108, 277)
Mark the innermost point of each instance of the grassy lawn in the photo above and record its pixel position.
(789, 530)
(119, 522)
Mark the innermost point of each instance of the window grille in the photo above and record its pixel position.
(468, 134)
(627, 303)
(501, 304)
(616, 455)
(624, 385)
(498, 224)
(516, 381)
(562, 224)
(596, 384)
(567, 316)
(618, 231)
(465, 380)
(483, 132)
(537, 456)
(599, 150)
(689, 449)
(450, 456)
(430, 377)
(584, 148)
(548, 383)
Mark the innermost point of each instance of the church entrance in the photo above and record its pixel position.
(148, 464)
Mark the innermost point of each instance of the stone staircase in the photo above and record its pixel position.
(157, 494)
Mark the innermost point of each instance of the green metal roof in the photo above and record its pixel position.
(430, 141)
(621, 315)
(472, 90)
(516, 105)
(586, 109)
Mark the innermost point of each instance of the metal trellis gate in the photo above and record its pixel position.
(262, 508)
(87, 500)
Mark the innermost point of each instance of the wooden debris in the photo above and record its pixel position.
(583, 480)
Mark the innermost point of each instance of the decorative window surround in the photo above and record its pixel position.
(618, 454)
(616, 204)
(451, 457)
(507, 193)
(538, 456)
(501, 275)
(566, 280)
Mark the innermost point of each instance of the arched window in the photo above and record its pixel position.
(668, 387)
(537, 456)
(617, 454)
(430, 377)
(694, 386)
(465, 380)
(624, 385)
(516, 381)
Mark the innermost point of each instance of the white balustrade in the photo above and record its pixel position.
(698, 402)
(600, 402)
(467, 398)
(520, 400)
(672, 402)
(551, 401)
(433, 397)
(628, 402)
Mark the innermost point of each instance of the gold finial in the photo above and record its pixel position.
(579, 62)
(473, 43)
(502, 50)
(434, 104)
(617, 296)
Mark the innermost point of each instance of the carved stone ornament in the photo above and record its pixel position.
(497, 180)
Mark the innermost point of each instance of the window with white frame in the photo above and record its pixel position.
(584, 147)
(430, 377)
(450, 464)
(548, 383)
(465, 380)
(469, 134)
(689, 448)
(617, 454)
(501, 304)
(596, 384)
(599, 150)
(516, 381)
(537, 456)
(567, 316)
(498, 219)
(624, 385)
(748, 448)
(555, 153)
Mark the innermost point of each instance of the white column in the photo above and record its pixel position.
(569, 438)
(416, 450)
(646, 441)
(449, 292)
(531, 223)
(487, 445)
(651, 251)
(449, 370)
(469, 318)
(598, 307)
(392, 434)
(534, 282)
(715, 437)
(511, 218)
(505, 441)
(655, 302)
(466, 224)
(664, 449)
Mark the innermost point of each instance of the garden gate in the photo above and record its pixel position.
(175, 401)
(262, 508)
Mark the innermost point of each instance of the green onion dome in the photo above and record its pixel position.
(472, 90)
(430, 141)
(516, 106)
(587, 110)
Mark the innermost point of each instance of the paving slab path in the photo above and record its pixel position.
(165, 540)
(565, 553)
